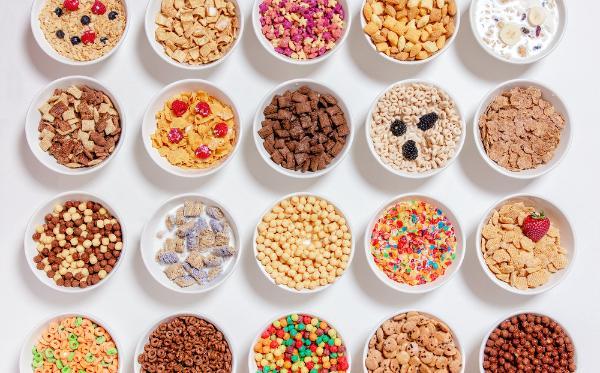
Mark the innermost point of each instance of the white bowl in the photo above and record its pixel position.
(38, 218)
(406, 174)
(25, 359)
(157, 104)
(149, 244)
(252, 363)
(562, 13)
(547, 94)
(497, 323)
(153, 8)
(139, 349)
(269, 47)
(449, 42)
(39, 37)
(557, 217)
(450, 271)
(33, 118)
(259, 117)
(284, 287)
(374, 330)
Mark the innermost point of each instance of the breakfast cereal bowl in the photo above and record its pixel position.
(38, 218)
(225, 337)
(439, 268)
(69, 319)
(524, 23)
(35, 117)
(401, 316)
(153, 12)
(452, 121)
(53, 22)
(338, 155)
(558, 220)
(447, 42)
(154, 241)
(346, 252)
(256, 23)
(564, 135)
(160, 105)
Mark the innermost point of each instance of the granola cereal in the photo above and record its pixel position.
(520, 130)
(197, 32)
(83, 30)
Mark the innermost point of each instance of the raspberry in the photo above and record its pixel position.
(175, 135)
(71, 5)
(203, 152)
(98, 8)
(88, 37)
(179, 108)
(203, 109)
(221, 130)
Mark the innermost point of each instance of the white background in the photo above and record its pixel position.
(132, 301)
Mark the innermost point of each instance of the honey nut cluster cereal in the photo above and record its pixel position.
(304, 243)
(409, 30)
(75, 345)
(197, 32)
(195, 130)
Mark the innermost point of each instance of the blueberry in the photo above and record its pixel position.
(112, 15)
(85, 20)
(58, 11)
(75, 40)
(103, 39)
(60, 34)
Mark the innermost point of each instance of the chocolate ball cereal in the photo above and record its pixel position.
(529, 343)
(78, 244)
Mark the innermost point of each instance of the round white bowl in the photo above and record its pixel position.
(39, 37)
(432, 316)
(547, 94)
(449, 42)
(153, 8)
(33, 118)
(414, 175)
(149, 244)
(557, 217)
(259, 117)
(269, 47)
(32, 338)
(284, 287)
(450, 271)
(38, 218)
(157, 103)
(252, 363)
(562, 11)
(139, 349)
(497, 323)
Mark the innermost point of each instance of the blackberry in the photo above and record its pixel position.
(398, 128)
(410, 151)
(112, 15)
(427, 121)
(60, 34)
(58, 11)
(85, 20)
(75, 40)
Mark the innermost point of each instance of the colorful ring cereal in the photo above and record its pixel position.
(414, 244)
(299, 343)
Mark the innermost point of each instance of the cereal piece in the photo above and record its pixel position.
(213, 261)
(166, 257)
(222, 239)
(185, 281)
(206, 240)
(179, 245)
(175, 271)
(215, 212)
(214, 273)
(192, 208)
(179, 217)
(195, 259)
(224, 251)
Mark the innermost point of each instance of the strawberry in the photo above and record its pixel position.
(535, 226)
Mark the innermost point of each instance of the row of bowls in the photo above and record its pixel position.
(148, 242)
(153, 8)
(157, 104)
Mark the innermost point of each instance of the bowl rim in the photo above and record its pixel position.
(257, 122)
(562, 9)
(416, 175)
(262, 39)
(175, 170)
(439, 282)
(27, 248)
(404, 311)
(543, 169)
(156, 47)
(45, 46)
(32, 111)
(535, 291)
(232, 223)
(285, 287)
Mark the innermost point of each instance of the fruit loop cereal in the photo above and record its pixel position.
(300, 343)
(74, 345)
(302, 29)
(195, 130)
(413, 242)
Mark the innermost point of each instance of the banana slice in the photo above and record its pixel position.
(510, 34)
(536, 15)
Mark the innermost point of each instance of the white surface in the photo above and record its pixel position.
(132, 300)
